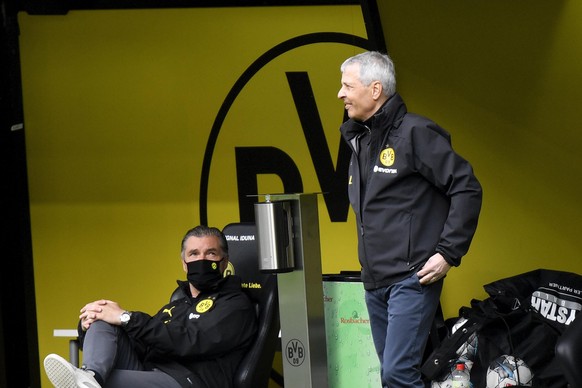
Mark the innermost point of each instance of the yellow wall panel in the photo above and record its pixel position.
(503, 78)
(119, 107)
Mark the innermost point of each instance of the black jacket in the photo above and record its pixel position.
(198, 341)
(420, 196)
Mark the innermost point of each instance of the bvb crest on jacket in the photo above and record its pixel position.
(387, 157)
(204, 305)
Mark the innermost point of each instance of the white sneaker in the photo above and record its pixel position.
(63, 374)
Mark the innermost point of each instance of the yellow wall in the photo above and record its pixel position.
(118, 109)
(504, 78)
(119, 106)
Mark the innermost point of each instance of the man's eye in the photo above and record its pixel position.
(211, 254)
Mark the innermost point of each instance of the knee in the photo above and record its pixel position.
(100, 325)
(401, 374)
(392, 376)
(388, 377)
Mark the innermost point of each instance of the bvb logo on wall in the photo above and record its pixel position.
(277, 130)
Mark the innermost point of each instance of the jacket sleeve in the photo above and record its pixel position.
(229, 325)
(436, 160)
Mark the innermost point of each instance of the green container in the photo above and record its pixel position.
(351, 357)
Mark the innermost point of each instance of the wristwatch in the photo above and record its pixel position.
(124, 318)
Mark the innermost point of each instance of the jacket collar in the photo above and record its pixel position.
(390, 114)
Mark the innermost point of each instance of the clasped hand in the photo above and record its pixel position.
(100, 310)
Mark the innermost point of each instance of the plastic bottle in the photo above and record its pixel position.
(460, 377)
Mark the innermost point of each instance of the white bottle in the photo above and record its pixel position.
(460, 377)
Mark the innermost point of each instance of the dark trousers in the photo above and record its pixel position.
(108, 351)
(401, 316)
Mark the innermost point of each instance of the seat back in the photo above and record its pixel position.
(254, 369)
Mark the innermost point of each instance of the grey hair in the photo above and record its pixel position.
(206, 231)
(374, 66)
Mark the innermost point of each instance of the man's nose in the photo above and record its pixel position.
(340, 93)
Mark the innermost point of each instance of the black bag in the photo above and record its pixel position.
(444, 356)
(523, 317)
(521, 334)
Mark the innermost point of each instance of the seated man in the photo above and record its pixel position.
(195, 341)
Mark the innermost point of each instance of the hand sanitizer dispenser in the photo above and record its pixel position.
(275, 236)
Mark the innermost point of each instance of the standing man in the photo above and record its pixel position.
(416, 203)
(194, 341)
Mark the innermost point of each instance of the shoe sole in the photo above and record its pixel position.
(60, 372)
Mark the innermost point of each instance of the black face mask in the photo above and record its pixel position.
(204, 274)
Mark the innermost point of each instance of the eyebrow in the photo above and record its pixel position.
(197, 251)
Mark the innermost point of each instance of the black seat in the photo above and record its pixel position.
(255, 368)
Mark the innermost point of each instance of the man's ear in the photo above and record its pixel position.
(223, 265)
(377, 90)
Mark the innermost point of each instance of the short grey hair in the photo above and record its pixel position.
(374, 66)
(206, 231)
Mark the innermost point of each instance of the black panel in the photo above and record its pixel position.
(61, 7)
(374, 25)
(19, 365)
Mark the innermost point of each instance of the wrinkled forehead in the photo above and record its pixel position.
(351, 74)
(352, 69)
